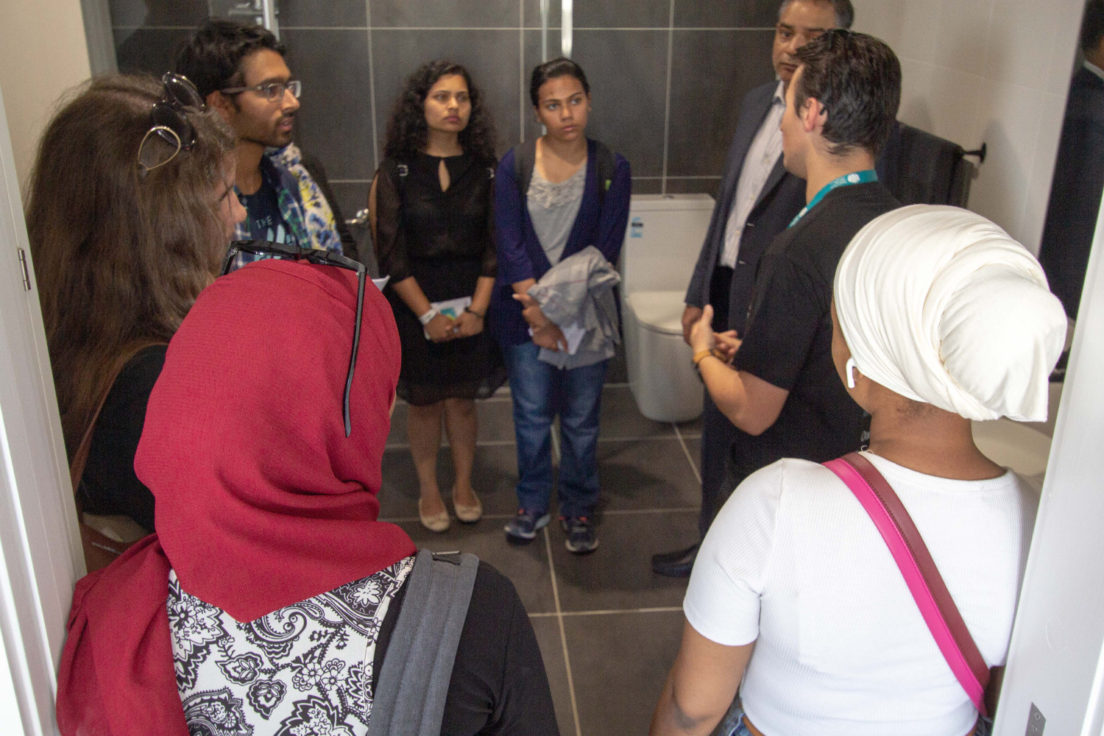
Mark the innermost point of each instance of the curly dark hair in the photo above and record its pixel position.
(407, 129)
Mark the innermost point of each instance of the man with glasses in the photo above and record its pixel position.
(756, 200)
(240, 71)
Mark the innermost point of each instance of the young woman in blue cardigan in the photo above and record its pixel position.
(554, 197)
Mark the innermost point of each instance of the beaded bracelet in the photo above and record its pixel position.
(469, 310)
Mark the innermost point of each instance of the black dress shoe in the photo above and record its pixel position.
(675, 564)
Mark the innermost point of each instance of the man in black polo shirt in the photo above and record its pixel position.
(780, 388)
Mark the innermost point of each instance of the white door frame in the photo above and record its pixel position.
(40, 551)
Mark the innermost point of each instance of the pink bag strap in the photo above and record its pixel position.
(919, 570)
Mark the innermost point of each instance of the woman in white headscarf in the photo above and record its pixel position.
(940, 318)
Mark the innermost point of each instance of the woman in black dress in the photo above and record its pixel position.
(431, 223)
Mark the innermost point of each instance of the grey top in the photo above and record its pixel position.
(553, 208)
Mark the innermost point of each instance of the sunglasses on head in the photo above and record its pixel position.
(169, 123)
(285, 251)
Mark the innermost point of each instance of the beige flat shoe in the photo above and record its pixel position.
(468, 514)
(438, 522)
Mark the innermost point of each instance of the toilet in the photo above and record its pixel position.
(662, 243)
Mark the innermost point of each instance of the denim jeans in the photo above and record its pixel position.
(733, 722)
(541, 391)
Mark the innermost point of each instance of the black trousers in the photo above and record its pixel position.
(718, 434)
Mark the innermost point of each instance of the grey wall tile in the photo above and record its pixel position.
(491, 57)
(647, 186)
(711, 71)
(352, 196)
(726, 13)
(619, 14)
(345, 13)
(147, 49)
(627, 74)
(445, 13)
(334, 121)
(705, 185)
(157, 12)
(532, 19)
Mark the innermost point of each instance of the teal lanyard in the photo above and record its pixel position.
(855, 177)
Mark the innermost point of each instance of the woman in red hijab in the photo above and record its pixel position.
(265, 601)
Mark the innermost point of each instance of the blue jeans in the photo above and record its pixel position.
(732, 724)
(540, 392)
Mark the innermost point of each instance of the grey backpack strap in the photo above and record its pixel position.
(413, 681)
(525, 157)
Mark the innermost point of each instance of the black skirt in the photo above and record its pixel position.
(465, 368)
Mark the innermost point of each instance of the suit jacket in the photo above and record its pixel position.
(782, 198)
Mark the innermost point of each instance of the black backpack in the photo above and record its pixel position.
(525, 156)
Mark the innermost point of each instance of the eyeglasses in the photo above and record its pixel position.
(169, 123)
(271, 91)
(286, 251)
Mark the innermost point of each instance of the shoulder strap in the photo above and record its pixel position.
(918, 568)
(607, 163)
(525, 156)
(413, 681)
(100, 550)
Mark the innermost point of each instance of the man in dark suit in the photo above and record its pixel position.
(1078, 172)
(756, 201)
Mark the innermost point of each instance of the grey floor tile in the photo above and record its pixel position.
(526, 567)
(646, 474)
(692, 428)
(496, 421)
(621, 419)
(618, 575)
(547, 629)
(693, 445)
(618, 666)
(397, 436)
(493, 477)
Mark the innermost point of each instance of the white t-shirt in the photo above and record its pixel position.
(795, 564)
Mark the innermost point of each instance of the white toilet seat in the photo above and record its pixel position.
(658, 311)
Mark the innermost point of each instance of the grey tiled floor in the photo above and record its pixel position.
(608, 627)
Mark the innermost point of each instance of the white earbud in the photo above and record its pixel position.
(849, 369)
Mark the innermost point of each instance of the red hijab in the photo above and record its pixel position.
(262, 501)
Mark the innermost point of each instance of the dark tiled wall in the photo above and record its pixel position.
(666, 76)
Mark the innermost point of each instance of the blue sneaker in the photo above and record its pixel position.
(524, 526)
(582, 536)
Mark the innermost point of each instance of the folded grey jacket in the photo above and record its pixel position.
(578, 291)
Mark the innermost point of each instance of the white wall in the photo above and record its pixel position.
(987, 70)
(42, 53)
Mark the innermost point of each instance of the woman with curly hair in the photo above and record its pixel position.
(431, 224)
(130, 209)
